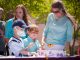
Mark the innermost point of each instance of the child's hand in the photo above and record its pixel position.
(24, 52)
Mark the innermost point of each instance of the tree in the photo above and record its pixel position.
(35, 8)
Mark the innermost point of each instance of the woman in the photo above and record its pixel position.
(20, 14)
(58, 30)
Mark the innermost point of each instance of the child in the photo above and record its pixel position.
(16, 45)
(31, 43)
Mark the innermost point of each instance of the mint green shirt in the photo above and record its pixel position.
(58, 31)
(35, 47)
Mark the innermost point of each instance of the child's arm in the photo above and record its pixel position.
(30, 45)
(24, 52)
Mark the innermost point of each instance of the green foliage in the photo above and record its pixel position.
(73, 7)
(39, 9)
(35, 8)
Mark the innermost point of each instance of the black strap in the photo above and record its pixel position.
(12, 53)
(14, 40)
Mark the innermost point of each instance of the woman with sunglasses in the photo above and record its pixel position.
(58, 31)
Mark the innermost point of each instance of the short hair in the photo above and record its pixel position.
(33, 28)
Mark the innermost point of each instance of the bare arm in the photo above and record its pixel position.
(6, 40)
(24, 52)
(43, 40)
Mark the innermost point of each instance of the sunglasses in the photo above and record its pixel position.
(56, 11)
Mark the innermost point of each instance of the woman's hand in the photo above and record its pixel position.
(43, 43)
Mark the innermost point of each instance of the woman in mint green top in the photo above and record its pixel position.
(58, 30)
(20, 14)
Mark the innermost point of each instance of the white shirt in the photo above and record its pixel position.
(15, 46)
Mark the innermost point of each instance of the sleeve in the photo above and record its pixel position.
(8, 32)
(47, 26)
(38, 44)
(69, 31)
(14, 48)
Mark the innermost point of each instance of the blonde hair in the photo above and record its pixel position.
(33, 28)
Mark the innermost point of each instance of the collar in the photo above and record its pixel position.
(18, 40)
(30, 39)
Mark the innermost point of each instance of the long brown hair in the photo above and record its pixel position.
(60, 6)
(24, 13)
